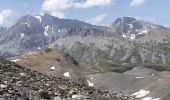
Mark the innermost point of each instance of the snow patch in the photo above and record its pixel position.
(22, 35)
(39, 18)
(90, 83)
(67, 74)
(150, 98)
(124, 36)
(143, 32)
(130, 25)
(59, 30)
(3, 86)
(53, 68)
(133, 36)
(46, 29)
(139, 77)
(141, 93)
(15, 60)
(74, 96)
(22, 74)
(137, 30)
(26, 24)
(91, 78)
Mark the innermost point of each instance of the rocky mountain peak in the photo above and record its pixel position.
(132, 28)
(26, 19)
(124, 20)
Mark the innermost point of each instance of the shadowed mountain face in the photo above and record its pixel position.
(35, 32)
(2, 29)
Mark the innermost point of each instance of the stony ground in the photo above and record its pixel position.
(18, 83)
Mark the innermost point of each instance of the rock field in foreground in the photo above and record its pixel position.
(18, 83)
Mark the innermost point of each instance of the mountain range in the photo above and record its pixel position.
(127, 40)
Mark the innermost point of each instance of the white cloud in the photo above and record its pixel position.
(93, 3)
(56, 7)
(4, 14)
(136, 3)
(98, 20)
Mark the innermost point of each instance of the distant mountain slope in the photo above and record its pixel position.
(126, 40)
(32, 33)
(139, 30)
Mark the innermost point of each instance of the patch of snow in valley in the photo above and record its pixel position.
(39, 18)
(133, 36)
(67, 74)
(141, 93)
(139, 77)
(16, 60)
(90, 83)
(150, 98)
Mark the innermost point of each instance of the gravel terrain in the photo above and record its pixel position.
(19, 83)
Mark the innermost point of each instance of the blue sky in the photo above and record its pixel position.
(98, 12)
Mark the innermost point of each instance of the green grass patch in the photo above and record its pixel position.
(108, 65)
(48, 50)
(158, 67)
(120, 67)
